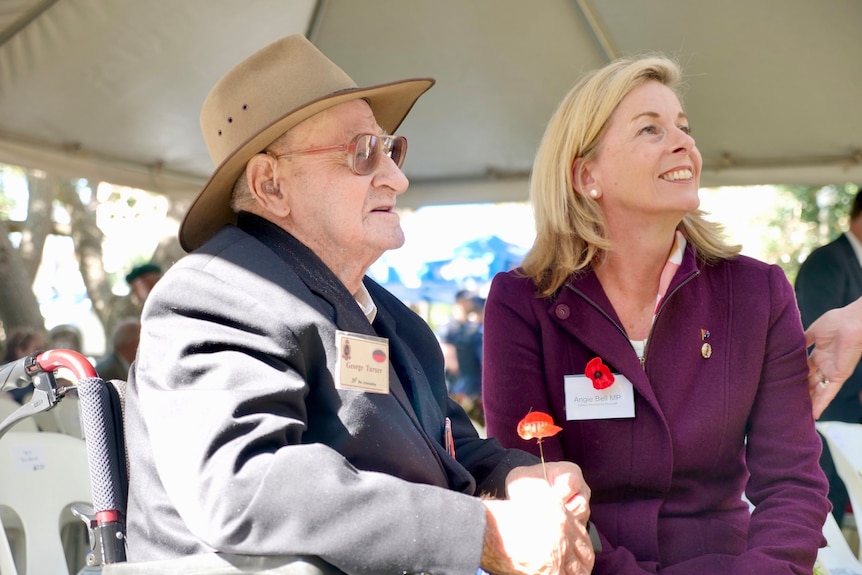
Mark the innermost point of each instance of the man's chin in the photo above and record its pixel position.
(393, 240)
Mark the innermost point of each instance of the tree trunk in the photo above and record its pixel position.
(39, 221)
(169, 250)
(18, 304)
(87, 237)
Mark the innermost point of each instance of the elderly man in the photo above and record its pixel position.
(282, 403)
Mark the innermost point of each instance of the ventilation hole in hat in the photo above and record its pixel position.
(229, 120)
(219, 132)
(245, 106)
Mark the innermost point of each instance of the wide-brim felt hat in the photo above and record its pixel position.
(264, 96)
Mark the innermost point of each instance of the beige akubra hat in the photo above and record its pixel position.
(264, 96)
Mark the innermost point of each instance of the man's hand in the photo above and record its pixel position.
(534, 534)
(566, 481)
(837, 340)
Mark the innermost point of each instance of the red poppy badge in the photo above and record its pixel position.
(599, 373)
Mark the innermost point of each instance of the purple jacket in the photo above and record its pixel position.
(667, 484)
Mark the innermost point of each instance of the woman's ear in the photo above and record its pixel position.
(582, 178)
(261, 179)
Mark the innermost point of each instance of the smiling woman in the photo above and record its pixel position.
(634, 328)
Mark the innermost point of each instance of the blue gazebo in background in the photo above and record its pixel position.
(472, 266)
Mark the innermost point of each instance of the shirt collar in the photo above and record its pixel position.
(366, 304)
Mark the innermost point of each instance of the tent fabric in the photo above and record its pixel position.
(111, 89)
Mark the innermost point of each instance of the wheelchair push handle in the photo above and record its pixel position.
(23, 371)
(108, 523)
(38, 369)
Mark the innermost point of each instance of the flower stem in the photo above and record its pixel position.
(542, 455)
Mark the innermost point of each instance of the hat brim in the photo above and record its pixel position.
(210, 210)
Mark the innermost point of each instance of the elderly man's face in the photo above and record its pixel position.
(346, 219)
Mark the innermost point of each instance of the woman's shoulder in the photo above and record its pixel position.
(513, 280)
(746, 264)
(749, 273)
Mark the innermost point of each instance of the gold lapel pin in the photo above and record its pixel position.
(705, 349)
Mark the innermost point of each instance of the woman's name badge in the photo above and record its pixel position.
(363, 362)
(583, 401)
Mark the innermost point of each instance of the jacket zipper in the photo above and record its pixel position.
(667, 296)
(691, 276)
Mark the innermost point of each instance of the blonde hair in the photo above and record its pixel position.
(570, 228)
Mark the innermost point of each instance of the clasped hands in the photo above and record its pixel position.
(541, 529)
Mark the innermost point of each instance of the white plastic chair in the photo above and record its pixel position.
(65, 417)
(845, 444)
(7, 563)
(7, 407)
(41, 475)
(837, 556)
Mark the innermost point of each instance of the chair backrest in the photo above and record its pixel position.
(837, 556)
(41, 475)
(845, 445)
(7, 407)
(65, 417)
(7, 562)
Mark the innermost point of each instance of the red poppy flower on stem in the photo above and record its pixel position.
(538, 425)
(599, 373)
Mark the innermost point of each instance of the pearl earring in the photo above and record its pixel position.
(594, 193)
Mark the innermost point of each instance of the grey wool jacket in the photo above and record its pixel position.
(240, 442)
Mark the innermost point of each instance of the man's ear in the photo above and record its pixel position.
(582, 177)
(261, 179)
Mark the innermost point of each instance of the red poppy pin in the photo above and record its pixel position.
(538, 425)
(599, 373)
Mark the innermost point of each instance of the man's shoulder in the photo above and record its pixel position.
(839, 245)
(229, 239)
(234, 249)
(836, 251)
(231, 259)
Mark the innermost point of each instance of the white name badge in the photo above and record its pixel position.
(363, 362)
(583, 401)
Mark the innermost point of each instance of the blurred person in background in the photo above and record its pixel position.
(124, 346)
(461, 341)
(141, 280)
(831, 278)
(21, 342)
(66, 336)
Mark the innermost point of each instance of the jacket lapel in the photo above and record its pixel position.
(590, 327)
(413, 387)
(321, 281)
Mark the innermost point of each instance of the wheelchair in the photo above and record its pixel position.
(102, 406)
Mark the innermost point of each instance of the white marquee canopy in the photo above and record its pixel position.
(111, 90)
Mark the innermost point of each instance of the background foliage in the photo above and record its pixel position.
(805, 217)
(114, 228)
